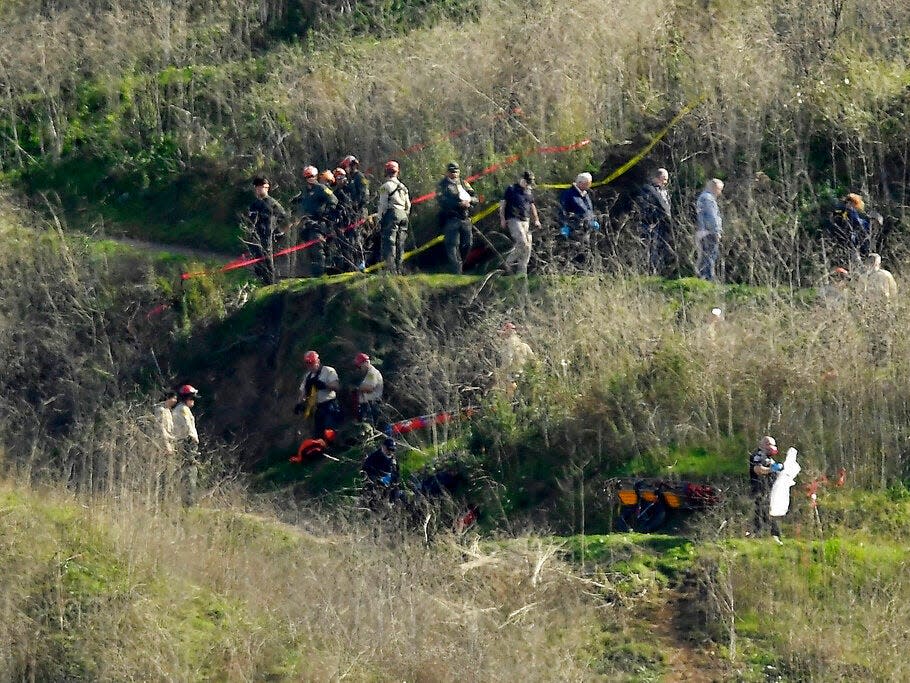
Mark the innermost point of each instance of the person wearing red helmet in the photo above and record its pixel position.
(358, 184)
(369, 391)
(347, 250)
(187, 439)
(763, 471)
(393, 211)
(317, 206)
(317, 395)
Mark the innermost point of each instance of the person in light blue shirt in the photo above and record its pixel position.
(710, 229)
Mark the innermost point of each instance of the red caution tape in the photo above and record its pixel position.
(424, 421)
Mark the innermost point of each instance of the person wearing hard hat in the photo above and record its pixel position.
(763, 471)
(393, 211)
(517, 212)
(316, 205)
(187, 439)
(264, 215)
(455, 198)
(709, 229)
(369, 391)
(316, 395)
(358, 186)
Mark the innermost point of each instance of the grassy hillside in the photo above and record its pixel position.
(106, 589)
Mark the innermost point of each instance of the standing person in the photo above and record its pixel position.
(358, 185)
(878, 284)
(348, 251)
(187, 440)
(264, 215)
(164, 466)
(369, 391)
(710, 229)
(455, 198)
(879, 293)
(166, 421)
(317, 396)
(393, 211)
(762, 472)
(517, 211)
(576, 209)
(656, 222)
(316, 204)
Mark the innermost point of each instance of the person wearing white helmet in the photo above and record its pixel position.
(763, 469)
(187, 439)
(317, 205)
(394, 210)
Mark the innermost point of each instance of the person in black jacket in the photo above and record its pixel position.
(265, 213)
(380, 466)
(455, 198)
(656, 222)
(763, 471)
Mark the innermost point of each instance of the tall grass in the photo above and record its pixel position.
(107, 589)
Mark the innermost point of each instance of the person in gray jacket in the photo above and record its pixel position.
(710, 229)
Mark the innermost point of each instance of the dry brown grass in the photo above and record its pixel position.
(105, 589)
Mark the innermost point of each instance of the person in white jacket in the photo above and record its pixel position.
(187, 440)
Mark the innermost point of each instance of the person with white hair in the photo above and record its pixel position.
(710, 229)
(576, 209)
(656, 225)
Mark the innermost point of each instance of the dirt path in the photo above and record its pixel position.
(189, 252)
(685, 659)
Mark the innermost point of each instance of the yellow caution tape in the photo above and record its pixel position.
(642, 153)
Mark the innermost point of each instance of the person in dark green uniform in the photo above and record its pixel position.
(455, 198)
(358, 186)
(264, 215)
(316, 205)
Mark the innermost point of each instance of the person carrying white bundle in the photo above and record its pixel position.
(779, 502)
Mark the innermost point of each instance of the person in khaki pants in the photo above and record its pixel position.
(517, 211)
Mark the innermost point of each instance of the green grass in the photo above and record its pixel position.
(692, 462)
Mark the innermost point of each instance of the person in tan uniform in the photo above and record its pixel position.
(187, 440)
(394, 210)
